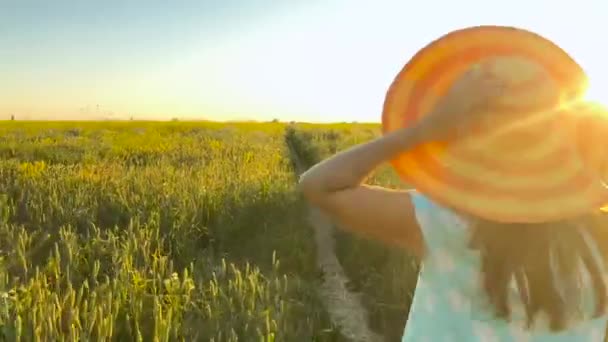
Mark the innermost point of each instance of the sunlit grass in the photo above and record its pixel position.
(176, 231)
(153, 232)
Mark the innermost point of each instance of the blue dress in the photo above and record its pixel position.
(448, 304)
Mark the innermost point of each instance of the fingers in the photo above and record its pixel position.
(491, 87)
(482, 80)
(485, 84)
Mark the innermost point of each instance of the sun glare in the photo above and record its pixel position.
(597, 89)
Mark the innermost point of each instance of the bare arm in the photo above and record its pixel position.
(351, 167)
(336, 186)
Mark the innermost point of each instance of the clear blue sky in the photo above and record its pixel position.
(316, 60)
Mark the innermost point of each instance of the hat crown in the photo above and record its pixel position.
(528, 85)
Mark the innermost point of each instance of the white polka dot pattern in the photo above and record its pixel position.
(519, 334)
(443, 261)
(596, 335)
(448, 303)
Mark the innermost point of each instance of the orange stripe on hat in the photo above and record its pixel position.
(527, 172)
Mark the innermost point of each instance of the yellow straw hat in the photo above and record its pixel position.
(538, 154)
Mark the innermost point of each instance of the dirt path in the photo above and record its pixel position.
(344, 307)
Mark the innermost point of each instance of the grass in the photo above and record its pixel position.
(175, 231)
(154, 232)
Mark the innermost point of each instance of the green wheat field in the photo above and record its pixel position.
(177, 231)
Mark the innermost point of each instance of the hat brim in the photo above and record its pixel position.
(426, 77)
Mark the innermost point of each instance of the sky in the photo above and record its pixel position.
(304, 60)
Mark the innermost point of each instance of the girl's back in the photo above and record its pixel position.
(450, 303)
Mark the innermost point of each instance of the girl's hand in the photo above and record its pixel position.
(463, 104)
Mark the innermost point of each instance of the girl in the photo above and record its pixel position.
(506, 213)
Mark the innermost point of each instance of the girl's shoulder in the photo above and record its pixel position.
(441, 227)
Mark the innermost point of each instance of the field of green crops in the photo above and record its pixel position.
(175, 231)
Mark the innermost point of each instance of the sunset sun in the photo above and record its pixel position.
(597, 89)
